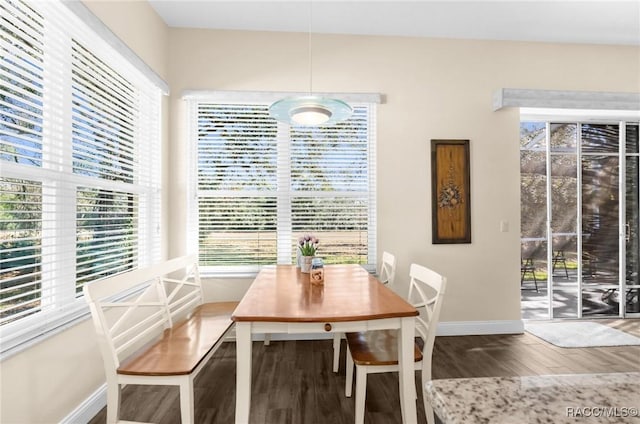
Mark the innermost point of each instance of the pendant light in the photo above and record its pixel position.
(310, 110)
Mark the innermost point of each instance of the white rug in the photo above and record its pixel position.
(580, 334)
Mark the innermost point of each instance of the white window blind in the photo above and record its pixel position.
(21, 47)
(104, 116)
(260, 185)
(79, 167)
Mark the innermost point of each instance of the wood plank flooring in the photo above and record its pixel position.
(293, 382)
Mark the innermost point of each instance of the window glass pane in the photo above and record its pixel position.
(533, 212)
(331, 158)
(533, 136)
(600, 229)
(340, 224)
(237, 230)
(533, 193)
(600, 138)
(563, 137)
(21, 79)
(107, 234)
(633, 138)
(632, 226)
(600, 235)
(237, 148)
(533, 219)
(564, 228)
(327, 160)
(564, 185)
(104, 115)
(20, 243)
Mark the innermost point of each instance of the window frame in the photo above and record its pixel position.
(579, 118)
(65, 22)
(284, 197)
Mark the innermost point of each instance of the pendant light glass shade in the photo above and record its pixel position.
(310, 110)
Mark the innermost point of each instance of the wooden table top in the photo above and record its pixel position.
(349, 293)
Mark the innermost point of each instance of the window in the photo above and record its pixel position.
(261, 184)
(79, 167)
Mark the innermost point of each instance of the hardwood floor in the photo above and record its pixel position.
(293, 382)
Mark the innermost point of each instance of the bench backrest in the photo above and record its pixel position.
(131, 309)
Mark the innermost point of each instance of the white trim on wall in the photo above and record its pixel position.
(578, 115)
(89, 408)
(232, 96)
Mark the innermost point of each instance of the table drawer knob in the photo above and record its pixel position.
(327, 327)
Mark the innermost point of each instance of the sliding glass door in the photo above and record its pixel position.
(600, 187)
(580, 219)
(562, 214)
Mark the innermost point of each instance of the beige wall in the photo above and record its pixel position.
(434, 89)
(139, 26)
(46, 382)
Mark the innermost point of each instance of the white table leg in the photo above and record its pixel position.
(407, 374)
(243, 371)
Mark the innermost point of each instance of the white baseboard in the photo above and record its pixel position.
(89, 408)
(477, 328)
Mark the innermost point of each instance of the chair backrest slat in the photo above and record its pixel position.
(387, 272)
(134, 342)
(183, 294)
(125, 281)
(184, 304)
(135, 331)
(129, 308)
(426, 291)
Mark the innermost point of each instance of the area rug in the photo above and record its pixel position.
(580, 334)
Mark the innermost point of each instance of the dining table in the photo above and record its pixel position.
(282, 299)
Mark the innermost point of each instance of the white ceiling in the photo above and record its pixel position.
(566, 21)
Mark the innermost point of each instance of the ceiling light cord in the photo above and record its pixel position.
(309, 47)
(310, 110)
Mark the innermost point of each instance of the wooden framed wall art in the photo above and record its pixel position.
(450, 192)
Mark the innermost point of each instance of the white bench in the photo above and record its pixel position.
(153, 329)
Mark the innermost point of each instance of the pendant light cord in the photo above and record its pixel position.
(309, 48)
(302, 111)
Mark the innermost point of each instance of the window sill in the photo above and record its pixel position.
(226, 274)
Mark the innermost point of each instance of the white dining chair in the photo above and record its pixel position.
(386, 276)
(377, 351)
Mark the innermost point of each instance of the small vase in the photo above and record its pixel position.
(305, 264)
(298, 258)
